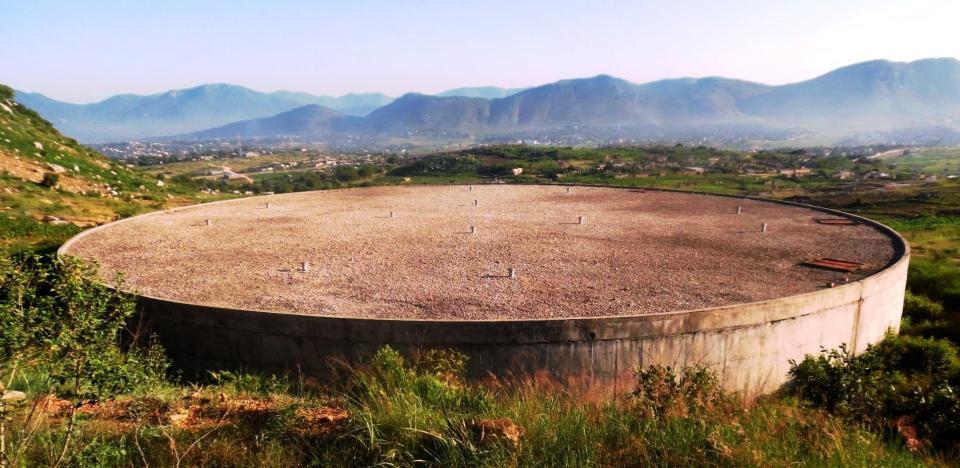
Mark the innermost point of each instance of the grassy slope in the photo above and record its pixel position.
(91, 189)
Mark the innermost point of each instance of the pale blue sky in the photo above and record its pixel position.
(82, 51)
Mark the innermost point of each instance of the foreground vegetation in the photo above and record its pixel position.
(75, 395)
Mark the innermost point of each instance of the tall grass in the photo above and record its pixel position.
(402, 413)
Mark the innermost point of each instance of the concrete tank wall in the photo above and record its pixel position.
(748, 345)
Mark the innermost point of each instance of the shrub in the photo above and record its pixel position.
(920, 308)
(56, 317)
(346, 173)
(938, 280)
(661, 392)
(901, 379)
(61, 326)
(50, 180)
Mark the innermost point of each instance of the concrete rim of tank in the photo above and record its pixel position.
(712, 318)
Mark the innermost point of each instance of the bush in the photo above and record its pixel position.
(366, 171)
(920, 308)
(57, 318)
(50, 180)
(346, 173)
(937, 280)
(901, 379)
(661, 392)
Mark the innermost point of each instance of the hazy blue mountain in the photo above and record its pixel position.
(689, 101)
(601, 100)
(871, 94)
(489, 92)
(309, 120)
(131, 116)
(54, 111)
(877, 95)
(421, 112)
(607, 101)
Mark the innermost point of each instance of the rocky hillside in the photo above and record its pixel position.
(51, 186)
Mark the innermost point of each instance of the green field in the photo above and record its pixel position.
(936, 161)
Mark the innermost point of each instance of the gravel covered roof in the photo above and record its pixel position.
(637, 252)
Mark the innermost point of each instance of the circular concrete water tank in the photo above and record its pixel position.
(578, 284)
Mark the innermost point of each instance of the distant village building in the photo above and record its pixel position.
(795, 173)
(517, 170)
(878, 175)
(845, 175)
(693, 170)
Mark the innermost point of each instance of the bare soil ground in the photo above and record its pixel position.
(637, 253)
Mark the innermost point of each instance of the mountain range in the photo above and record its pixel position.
(875, 96)
(130, 116)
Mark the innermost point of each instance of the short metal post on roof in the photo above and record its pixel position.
(568, 189)
(511, 273)
(304, 267)
(476, 203)
(391, 214)
(209, 222)
(473, 229)
(763, 227)
(739, 209)
(581, 220)
(268, 205)
(471, 188)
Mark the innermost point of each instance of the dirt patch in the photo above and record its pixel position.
(319, 422)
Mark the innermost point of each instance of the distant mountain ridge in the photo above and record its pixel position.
(130, 116)
(876, 96)
(870, 96)
(310, 120)
(875, 91)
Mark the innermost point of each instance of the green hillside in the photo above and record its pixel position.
(51, 187)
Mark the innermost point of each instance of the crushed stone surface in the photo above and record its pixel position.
(637, 252)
